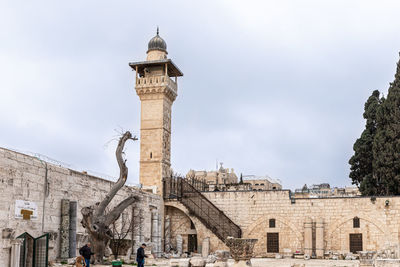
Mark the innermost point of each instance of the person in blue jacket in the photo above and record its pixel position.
(140, 255)
(86, 252)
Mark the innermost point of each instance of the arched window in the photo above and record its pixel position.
(151, 155)
(356, 222)
(271, 223)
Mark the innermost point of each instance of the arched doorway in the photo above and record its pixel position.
(181, 224)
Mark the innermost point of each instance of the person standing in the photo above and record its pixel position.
(140, 255)
(86, 252)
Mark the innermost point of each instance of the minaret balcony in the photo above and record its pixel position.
(155, 81)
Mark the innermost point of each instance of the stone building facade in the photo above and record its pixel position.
(377, 220)
(45, 187)
(225, 179)
(259, 183)
(325, 190)
(219, 177)
(315, 226)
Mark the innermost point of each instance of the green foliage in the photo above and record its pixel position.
(386, 147)
(362, 160)
(375, 165)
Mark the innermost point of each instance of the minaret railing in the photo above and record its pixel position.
(157, 80)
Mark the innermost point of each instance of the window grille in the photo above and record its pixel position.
(356, 243)
(271, 223)
(273, 242)
(34, 251)
(356, 222)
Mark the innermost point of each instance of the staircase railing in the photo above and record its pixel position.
(187, 191)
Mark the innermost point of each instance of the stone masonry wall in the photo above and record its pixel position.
(379, 223)
(22, 177)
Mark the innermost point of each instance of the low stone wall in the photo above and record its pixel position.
(387, 262)
(23, 177)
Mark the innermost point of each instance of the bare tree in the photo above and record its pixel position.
(95, 218)
(120, 228)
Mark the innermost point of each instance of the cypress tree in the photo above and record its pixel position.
(386, 145)
(361, 163)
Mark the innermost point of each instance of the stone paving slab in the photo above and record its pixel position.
(264, 262)
(303, 263)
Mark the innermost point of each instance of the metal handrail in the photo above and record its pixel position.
(187, 191)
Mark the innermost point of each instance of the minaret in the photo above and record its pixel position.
(157, 91)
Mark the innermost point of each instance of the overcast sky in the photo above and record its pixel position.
(269, 87)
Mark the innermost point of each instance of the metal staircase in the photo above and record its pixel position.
(188, 192)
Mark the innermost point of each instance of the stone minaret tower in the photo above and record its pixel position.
(157, 91)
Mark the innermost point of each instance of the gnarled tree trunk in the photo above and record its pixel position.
(96, 221)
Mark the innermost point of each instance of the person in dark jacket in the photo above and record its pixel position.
(86, 252)
(140, 255)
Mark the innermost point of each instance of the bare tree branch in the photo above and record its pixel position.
(123, 175)
(116, 211)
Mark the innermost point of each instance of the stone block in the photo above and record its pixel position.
(241, 264)
(179, 262)
(7, 233)
(205, 248)
(197, 262)
(71, 261)
(222, 255)
(220, 264)
(211, 259)
(387, 262)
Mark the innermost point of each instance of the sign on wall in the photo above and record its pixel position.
(26, 210)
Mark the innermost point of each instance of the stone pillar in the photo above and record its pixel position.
(141, 220)
(179, 244)
(308, 237)
(154, 231)
(15, 252)
(159, 241)
(73, 205)
(64, 229)
(319, 238)
(205, 247)
(167, 230)
(136, 230)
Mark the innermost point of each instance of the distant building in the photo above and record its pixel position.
(325, 190)
(225, 179)
(348, 191)
(220, 177)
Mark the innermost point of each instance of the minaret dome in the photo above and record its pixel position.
(157, 48)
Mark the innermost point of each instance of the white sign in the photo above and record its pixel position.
(26, 210)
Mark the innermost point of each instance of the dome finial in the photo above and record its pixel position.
(157, 30)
